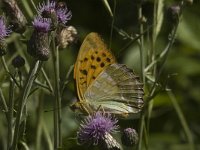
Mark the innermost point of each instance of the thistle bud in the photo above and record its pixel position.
(18, 61)
(66, 36)
(129, 137)
(17, 18)
(4, 32)
(38, 45)
(173, 13)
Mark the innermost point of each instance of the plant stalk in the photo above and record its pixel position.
(23, 99)
(57, 102)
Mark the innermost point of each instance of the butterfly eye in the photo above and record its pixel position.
(75, 106)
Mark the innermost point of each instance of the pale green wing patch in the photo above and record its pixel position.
(117, 90)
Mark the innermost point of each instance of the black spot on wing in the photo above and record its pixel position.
(108, 60)
(84, 72)
(93, 66)
(85, 59)
(92, 57)
(102, 65)
(98, 59)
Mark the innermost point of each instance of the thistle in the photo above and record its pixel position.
(4, 32)
(97, 129)
(129, 137)
(38, 46)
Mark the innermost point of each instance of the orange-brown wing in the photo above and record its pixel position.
(92, 59)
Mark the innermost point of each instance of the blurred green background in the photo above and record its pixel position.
(182, 65)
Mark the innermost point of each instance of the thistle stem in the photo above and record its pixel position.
(23, 99)
(182, 120)
(142, 66)
(10, 114)
(5, 107)
(57, 102)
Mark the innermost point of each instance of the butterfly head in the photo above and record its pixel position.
(80, 107)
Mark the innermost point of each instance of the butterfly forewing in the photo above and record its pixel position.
(117, 90)
(92, 59)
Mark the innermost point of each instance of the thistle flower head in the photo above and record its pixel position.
(94, 128)
(42, 24)
(4, 31)
(50, 8)
(63, 15)
(46, 8)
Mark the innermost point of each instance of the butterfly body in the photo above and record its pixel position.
(103, 83)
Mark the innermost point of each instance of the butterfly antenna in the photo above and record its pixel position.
(54, 109)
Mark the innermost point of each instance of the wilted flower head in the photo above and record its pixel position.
(42, 24)
(4, 31)
(94, 128)
(66, 36)
(49, 8)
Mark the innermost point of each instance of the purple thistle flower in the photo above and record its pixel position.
(63, 15)
(4, 31)
(94, 128)
(42, 24)
(48, 8)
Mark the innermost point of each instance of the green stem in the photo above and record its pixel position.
(47, 80)
(182, 119)
(7, 70)
(47, 136)
(142, 64)
(158, 58)
(57, 102)
(162, 64)
(10, 114)
(27, 8)
(112, 24)
(23, 99)
(5, 107)
(39, 123)
(141, 45)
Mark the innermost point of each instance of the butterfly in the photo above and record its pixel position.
(102, 83)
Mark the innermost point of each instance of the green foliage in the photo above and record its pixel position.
(168, 125)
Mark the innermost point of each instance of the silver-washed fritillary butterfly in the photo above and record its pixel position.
(103, 83)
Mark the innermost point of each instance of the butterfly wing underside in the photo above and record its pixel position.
(117, 90)
(92, 59)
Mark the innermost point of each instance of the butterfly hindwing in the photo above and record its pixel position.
(117, 90)
(92, 59)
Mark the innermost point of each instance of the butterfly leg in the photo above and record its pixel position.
(100, 108)
(85, 109)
